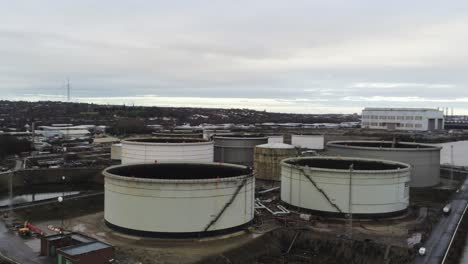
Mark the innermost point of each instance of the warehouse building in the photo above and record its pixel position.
(94, 252)
(420, 119)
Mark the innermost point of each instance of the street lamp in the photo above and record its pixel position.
(60, 200)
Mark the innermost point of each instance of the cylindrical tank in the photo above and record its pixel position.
(328, 185)
(177, 135)
(151, 150)
(178, 200)
(237, 149)
(424, 159)
(268, 158)
(315, 142)
(116, 151)
(208, 133)
(276, 139)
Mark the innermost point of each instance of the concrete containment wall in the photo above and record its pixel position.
(424, 159)
(31, 177)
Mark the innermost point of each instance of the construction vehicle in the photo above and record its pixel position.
(27, 229)
(24, 231)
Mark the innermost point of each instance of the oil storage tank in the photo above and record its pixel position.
(315, 142)
(151, 150)
(424, 159)
(178, 200)
(237, 148)
(276, 139)
(267, 159)
(329, 186)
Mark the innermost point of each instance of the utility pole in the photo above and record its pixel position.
(349, 226)
(453, 164)
(68, 89)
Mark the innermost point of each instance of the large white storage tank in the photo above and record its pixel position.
(151, 150)
(178, 200)
(315, 142)
(424, 159)
(116, 151)
(327, 185)
(209, 133)
(237, 148)
(275, 139)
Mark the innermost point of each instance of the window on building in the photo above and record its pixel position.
(383, 117)
(409, 118)
(418, 118)
(417, 125)
(409, 125)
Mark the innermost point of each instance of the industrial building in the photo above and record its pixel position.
(93, 252)
(268, 158)
(178, 200)
(418, 119)
(74, 248)
(424, 159)
(237, 148)
(151, 150)
(338, 186)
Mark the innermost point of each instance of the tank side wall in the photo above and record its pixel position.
(425, 164)
(315, 142)
(170, 207)
(140, 153)
(236, 151)
(267, 162)
(371, 194)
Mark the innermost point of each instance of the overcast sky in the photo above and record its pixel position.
(289, 56)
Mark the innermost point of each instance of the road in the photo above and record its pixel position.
(441, 236)
(16, 249)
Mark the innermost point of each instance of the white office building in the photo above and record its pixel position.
(420, 119)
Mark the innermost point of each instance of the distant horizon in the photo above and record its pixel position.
(269, 105)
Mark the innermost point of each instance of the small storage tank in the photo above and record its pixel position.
(327, 185)
(116, 151)
(178, 200)
(424, 159)
(151, 150)
(315, 142)
(268, 158)
(237, 149)
(276, 139)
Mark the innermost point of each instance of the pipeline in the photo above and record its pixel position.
(244, 181)
(321, 191)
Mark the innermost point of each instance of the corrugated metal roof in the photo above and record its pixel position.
(84, 248)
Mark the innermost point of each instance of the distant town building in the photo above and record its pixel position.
(420, 119)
